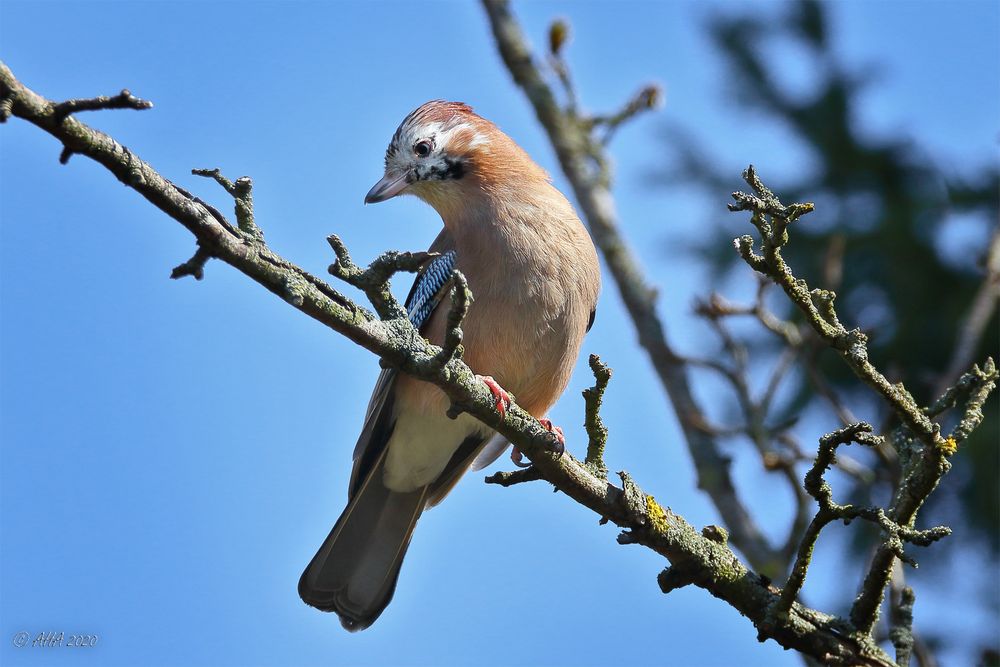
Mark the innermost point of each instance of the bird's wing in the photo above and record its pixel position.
(429, 287)
(496, 446)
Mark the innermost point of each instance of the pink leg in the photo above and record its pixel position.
(501, 397)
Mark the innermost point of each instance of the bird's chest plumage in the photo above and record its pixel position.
(533, 273)
(529, 312)
(523, 334)
(519, 336)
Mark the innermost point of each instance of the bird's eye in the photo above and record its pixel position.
(422, 148)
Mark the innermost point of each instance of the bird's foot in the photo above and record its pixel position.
(559, 446)
(518, 458)
(501, 397)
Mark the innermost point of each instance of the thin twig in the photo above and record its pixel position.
(374, 280)
(772, 218)
(984, 305)
(504, 478)
(597, 432)
(194, 266)
(820, 489)
(123, 100)
(461, 297)
(241, 190)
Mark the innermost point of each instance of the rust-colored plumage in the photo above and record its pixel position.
(535, 278)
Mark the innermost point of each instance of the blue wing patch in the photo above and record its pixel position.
(426, 292)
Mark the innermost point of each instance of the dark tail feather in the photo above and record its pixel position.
(354, 573)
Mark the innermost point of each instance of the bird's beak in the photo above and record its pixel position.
(390, 186)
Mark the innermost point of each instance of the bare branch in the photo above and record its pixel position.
(226, 184)
(193, 267)
(504, 478)
(648, 98)
(819, 489)
(123, 100)
(559, 35)
(984, 305)
(901, 633)
(579, 151)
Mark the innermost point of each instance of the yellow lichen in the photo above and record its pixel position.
(949, 446)
(656, 515)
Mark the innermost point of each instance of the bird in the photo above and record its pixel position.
(534, 275)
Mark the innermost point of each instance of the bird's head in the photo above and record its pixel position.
(445, 154)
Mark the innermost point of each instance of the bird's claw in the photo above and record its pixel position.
(501, 397)
(559, 446)
(518, 458)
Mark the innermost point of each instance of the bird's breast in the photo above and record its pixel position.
(532, 298)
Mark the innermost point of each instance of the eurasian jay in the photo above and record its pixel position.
(534, 276)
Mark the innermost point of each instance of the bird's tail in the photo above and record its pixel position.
(354, 573)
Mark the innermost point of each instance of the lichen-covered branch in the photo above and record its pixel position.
(241, 190)
(829, 511)
(583, 158)
(374, 280)
(772, 218)
(597, 432)
(921, 446)
(819, 489)
(923, 470)
(705, 558)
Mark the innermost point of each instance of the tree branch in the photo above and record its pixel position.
(193, 267)
(123, 100)
(984, 305)
(901, 633)
(597, 432)
(586, 165)
(924, 465)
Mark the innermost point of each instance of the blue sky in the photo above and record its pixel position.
(173, 452)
